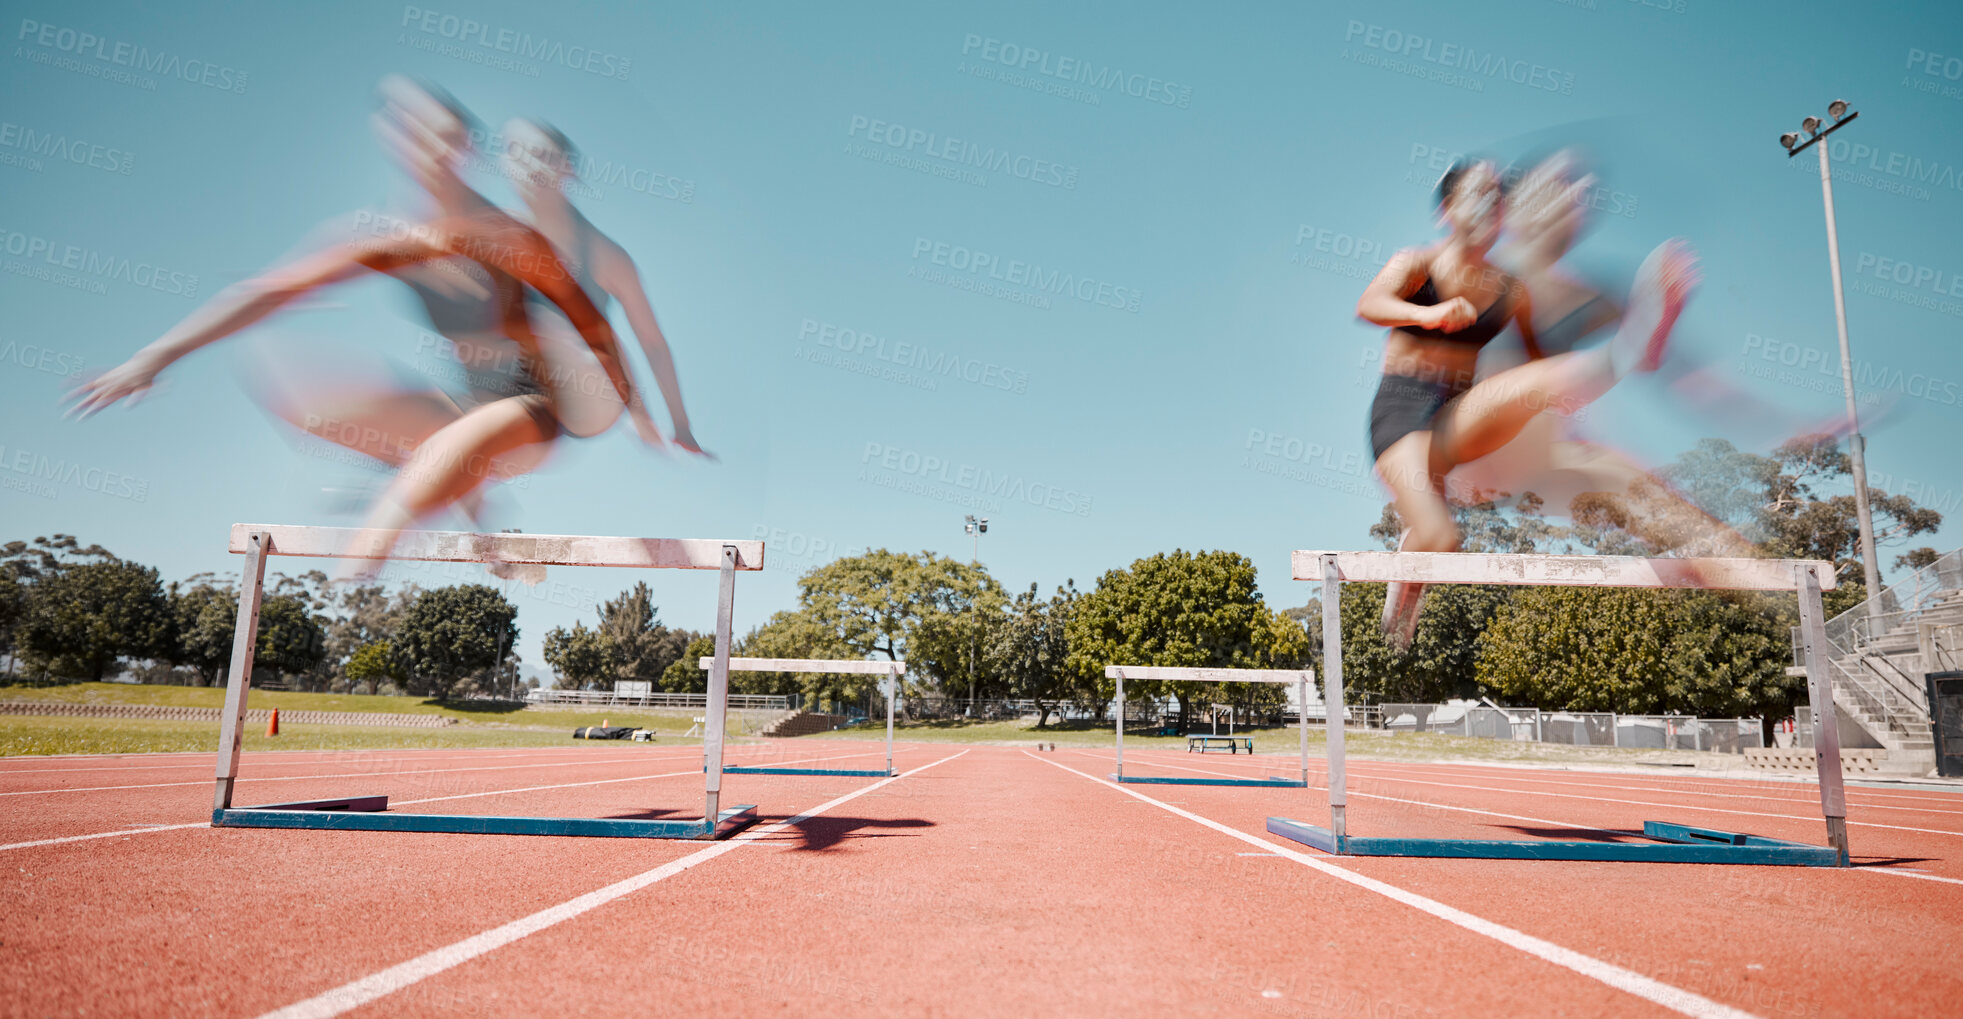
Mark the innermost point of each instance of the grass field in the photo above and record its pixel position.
(514, 726)
(477, 727)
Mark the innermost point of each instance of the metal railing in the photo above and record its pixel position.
(1578, 728)
(607, 698)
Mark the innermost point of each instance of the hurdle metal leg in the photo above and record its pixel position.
(1826, 721)
(1332, 685)
(238, 680)
(1302, 726)
(712, 730)
(892, 691)
(1121, 725)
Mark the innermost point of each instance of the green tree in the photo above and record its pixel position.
(291, 640)
(1180, 609)
(796, 634)
(374, 663)
(365, 615)
(683, 675)
(1635, 650)
(82, 619)
(453, 632)
(873, 603)
(642, 648)
(205, 615)
(1031, 649)
(581, 658)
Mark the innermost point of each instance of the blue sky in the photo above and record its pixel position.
(1211, 191)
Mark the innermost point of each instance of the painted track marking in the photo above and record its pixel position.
(1862, 869)
(353, 995)
(1668, 996)
(398, 803)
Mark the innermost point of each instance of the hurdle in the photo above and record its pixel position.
(891, 670)
(258, 542)
(1303, 678)
(1671, 843)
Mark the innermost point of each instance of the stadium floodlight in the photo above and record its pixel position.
(1856, 444)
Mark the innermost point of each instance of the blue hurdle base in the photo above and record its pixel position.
(759, 770)
(1284, 783)
(369, 813)
(1675, 843)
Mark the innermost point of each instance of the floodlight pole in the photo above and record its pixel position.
(1856, 445)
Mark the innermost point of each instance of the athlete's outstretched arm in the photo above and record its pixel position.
(614, 270)
(241, 305)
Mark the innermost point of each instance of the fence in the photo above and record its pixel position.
(1579, 728)
(611, 699)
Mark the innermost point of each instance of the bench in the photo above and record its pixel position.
(1232, 743)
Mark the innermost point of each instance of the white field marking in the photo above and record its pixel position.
(1428, 804)
(353, 995)
(1670, 806)
(1639, 787)
(569, 785)
(658, 753)
(354, 774)
(1909, 873)
(102, 835)
(1565, 824)
(1674, 998)
(1396, 771)
(399, 803)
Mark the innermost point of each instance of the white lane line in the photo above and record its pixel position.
(102, 835)
(1426, 804)
(1666, 791)
(378, 985)
(380, 773)
(398, 803)
(1909, 873)
(1670, 806)
(1668, 996)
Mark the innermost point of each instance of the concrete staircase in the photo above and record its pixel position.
(1879, 659)
(802, 723)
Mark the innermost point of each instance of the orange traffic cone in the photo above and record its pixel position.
(603, 723)
(272, 724)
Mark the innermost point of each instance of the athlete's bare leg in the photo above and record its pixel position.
(494, 442)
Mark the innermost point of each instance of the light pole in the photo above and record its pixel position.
(976, 527)
(1856, 445)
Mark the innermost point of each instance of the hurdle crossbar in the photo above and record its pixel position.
(892, 670)
(1303, 678)
(1806, 578)
(257, 542)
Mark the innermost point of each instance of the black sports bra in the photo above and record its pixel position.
(1481, 332)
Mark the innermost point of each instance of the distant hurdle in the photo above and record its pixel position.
(891, 670)
(1303, 678)
(257, 542)
(1671, 842)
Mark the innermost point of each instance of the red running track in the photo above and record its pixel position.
(984, 881)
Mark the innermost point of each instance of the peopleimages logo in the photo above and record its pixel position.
(471, 32)
(1027, 275)
(1078, 72)
(916, 472)
(90, 262)
(960, 152)
(1459, 57)
(26, 470)
(63, 149)
(76, 43)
